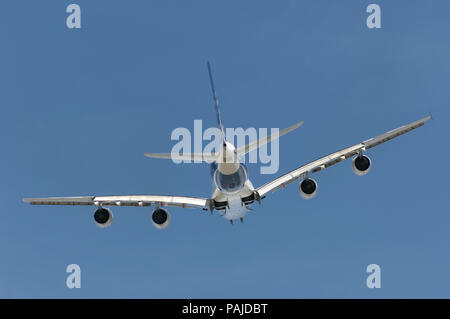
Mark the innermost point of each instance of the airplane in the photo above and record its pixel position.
(233, 192)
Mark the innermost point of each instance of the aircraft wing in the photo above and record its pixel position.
(339, 156)
(123, 200)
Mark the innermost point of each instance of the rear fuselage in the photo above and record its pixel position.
(231, 183)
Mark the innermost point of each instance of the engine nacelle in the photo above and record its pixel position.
(160, 218)
(361, 165)
(307, 188)
(103, 217)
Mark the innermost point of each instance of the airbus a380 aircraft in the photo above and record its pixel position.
(233, 193)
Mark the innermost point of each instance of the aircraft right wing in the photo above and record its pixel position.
(336, 157)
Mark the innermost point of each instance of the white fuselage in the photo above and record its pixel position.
(231, 183)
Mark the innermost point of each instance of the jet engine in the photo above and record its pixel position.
(307, 188)
(361, 165)
(103, 217)
(160, 218)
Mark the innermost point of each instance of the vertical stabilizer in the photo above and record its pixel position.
(216, 102)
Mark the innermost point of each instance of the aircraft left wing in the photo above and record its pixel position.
(123, 200)
(336, 157)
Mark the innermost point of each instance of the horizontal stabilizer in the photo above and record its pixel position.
(198, 157)
(264, 140)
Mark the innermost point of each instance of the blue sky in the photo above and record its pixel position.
(80, 107)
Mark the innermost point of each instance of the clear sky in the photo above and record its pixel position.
(80, 107)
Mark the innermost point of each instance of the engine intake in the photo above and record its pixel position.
(361, 165)
(160, 218)
(307, 188)
(103, 217)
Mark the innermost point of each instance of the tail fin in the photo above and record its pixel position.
(216, 102)
(264, 140)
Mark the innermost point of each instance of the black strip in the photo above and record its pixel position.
(231, 308)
